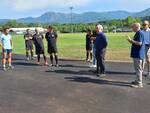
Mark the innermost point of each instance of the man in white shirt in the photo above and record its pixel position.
(6, 44)
(146, 32)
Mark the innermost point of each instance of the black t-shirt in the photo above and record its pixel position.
(28, 37)
(38, 40)
(88, 40)
(51, 39)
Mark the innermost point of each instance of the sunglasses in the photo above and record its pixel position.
(145, 24)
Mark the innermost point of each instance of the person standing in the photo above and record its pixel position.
(28, 44)
(137, 53)
(100, 45)
(39, 46)
(146, 32)
(51, 38)
(89, 46)
(94, 35)
(6, 43)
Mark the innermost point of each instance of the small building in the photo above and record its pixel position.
(23, 30)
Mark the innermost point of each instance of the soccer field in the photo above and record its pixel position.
(72, 46)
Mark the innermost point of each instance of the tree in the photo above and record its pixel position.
(130, 20)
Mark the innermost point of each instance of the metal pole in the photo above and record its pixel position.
(71, 23)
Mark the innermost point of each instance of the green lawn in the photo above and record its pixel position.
(73, 46)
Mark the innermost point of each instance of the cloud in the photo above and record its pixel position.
(26, 5)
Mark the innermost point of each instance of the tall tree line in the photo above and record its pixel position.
(109, 25)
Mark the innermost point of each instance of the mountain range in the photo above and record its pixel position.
(87, 17)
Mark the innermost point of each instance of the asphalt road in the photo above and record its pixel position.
(71, 88)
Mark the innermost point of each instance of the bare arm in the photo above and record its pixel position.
(11, 42)
(133, 41)
(93, 38)
(1, 44)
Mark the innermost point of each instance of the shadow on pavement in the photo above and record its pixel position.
(122, 73)
(88, 72)
(97, 81)
(82, 72)
(74, 66)
(25, 64)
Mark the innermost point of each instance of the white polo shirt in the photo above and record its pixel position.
(146, 36)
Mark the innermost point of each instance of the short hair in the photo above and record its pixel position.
(146, 22)
(99, 26)
(137, 25)
(50, 27)
(28, 30)
(4, 29)
(89, 30)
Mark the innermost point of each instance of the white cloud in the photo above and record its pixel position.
(39, 6)
(26, 5)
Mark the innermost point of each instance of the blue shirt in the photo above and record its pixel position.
(6, 41)
(136, 50)
(101, 41)
(146, 36)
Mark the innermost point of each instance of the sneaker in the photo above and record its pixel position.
(32, 58)
(92, 66)
(101, 75)
(57, 65)
(11, 67)
(27, 59)
(88, 60)
(135, 84)
(147, 75)
(4, 69)
(51, 65)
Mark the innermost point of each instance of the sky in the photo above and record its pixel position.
(14, 9)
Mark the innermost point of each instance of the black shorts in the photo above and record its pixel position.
(52, 50)
(39, 50)
(29, 45)
(89, 47)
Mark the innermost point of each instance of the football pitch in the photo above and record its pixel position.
(72, 46)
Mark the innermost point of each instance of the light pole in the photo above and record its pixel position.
(71, 18)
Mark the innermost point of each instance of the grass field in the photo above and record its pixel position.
(73, 46)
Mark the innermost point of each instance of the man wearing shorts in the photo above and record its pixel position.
(51, 38)
(39, 46)
(6, 43)
(28, 44)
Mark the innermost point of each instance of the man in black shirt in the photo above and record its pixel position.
(28, 44)
(51, 38)
(39, 46)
